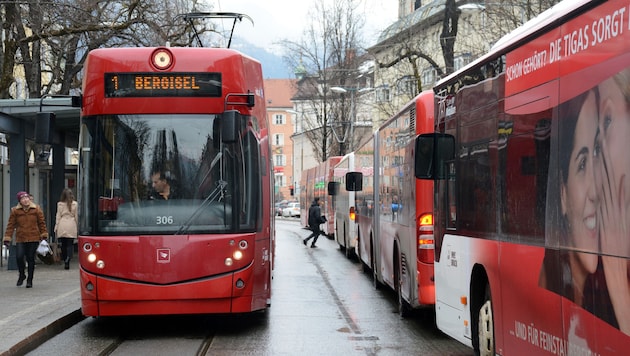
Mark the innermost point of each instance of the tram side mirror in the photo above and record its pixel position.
(216, 134)
(250, 100)
(354, 181)
(432, 152)
(76, 101)
(44, 127)
(333, 188)
(229, 126)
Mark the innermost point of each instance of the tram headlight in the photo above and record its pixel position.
(91, 258)
(229, 261)
(100, 264)
(237, 255)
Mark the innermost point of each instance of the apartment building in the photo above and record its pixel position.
(278, 93)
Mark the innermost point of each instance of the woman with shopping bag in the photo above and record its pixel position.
(28, 223)
(66, 222)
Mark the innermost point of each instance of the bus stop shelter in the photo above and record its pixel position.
(40, 126)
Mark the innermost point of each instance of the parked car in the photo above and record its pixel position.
(292, 210)
(280, 207)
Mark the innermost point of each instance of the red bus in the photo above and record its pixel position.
(175, 183)
(529, 163)
(396, 233)
(344, 201)
(314, 183)
(364, 218)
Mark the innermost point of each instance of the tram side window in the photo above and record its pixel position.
(250, 200)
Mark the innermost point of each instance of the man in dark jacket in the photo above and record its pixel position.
(314, 220)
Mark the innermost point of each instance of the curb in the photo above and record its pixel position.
(46, 333)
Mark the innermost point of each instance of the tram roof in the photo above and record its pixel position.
(13, 112)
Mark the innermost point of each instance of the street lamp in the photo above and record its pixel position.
(347, 126)
(298, 134)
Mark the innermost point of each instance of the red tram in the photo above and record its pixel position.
(175, 183)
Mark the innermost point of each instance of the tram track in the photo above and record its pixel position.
(112, 347)
(118, 344)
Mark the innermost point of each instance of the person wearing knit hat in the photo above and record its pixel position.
(27, 221)
(21, 195)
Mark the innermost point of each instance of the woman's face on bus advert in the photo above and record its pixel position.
(612, 163)
(578, 196)
(614, 132)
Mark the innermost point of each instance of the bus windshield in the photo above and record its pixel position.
(166, 174)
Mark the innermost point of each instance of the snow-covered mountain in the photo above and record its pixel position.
(273, 64)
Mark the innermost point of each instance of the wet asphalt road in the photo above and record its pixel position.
(322, 304)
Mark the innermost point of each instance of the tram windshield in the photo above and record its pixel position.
(167, 174)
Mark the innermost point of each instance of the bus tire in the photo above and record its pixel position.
(345, 242)
(485, 326)
(375, 282)
(404, 310)
(364, 265)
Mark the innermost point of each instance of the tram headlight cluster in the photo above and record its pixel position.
(91, 256)
(238, 254)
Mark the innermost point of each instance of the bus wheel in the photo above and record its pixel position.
(485, 331)
(403, 307)
(375, 282)
(364, 265)
(345, 242)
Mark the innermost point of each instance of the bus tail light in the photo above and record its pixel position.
(353, 214)
(425, 238)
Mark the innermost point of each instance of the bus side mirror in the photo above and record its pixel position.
(229, 126)
(432, 152)
(354, 181)
(333, 188)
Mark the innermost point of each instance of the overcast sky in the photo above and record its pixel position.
(275, 20)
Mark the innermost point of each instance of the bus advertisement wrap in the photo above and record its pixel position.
(532, 223)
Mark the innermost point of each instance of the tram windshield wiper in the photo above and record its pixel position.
(218, 194)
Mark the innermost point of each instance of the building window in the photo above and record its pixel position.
(382, 94)
(280, 180)
(279, 119)
(462, 60)
(407, 85)
(278, 139)
(279, 160)
(428, 76)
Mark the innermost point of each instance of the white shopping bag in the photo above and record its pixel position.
(44, 248)
(44, 252)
